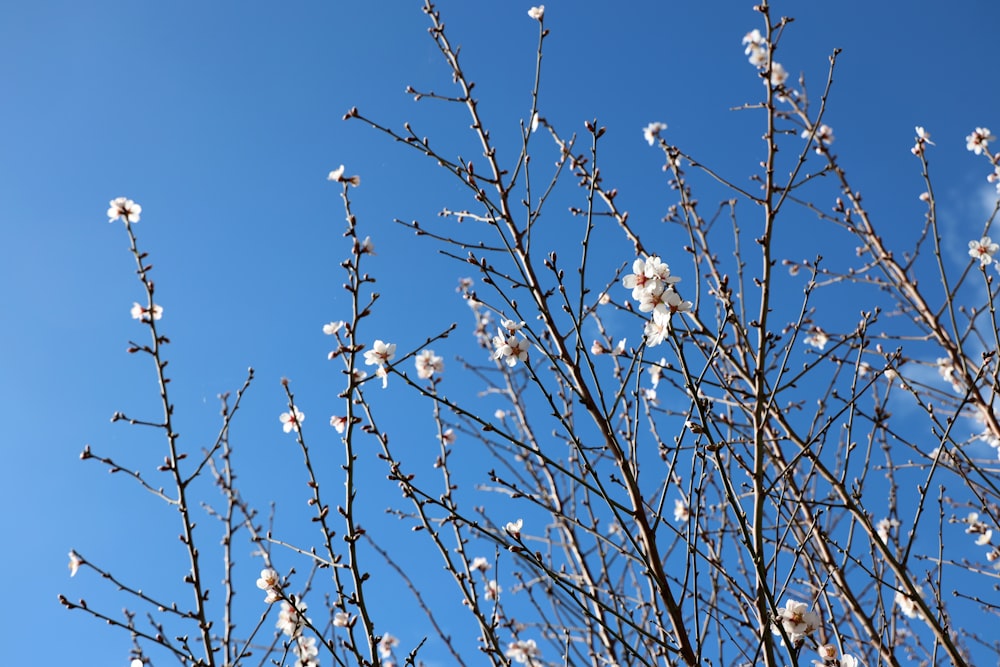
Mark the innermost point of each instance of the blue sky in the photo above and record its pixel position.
(223, 119)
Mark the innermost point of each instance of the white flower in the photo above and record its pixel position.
(428, 364)
(500, 414)
(681, 510)
(514, 528)
(817, 338)
(268, 579)
(948, 373)
(522, 650)
(139, 312)
(367, 247)
(752, 39)
(923, 137)
(537, 13)
(493, 590)
(290, 619)
(479, 563)
(339, 423)
(333, 327)
(908, 605)
(136, 662)
(884, 526)
(74, 563)
(797, 620)
(985, 538)
(652, 132)
(123, 208)
(306, 650)
(386, 644)
(292, 420)
(337, 175)
(510, 349)
(657, 329)
(983, 250)
(673, 303)
(758, 56)
(380, 354)
(534, 122)
(827, 651)
(448, 436)
(978, 140)
(778, 75)
(341, 619)
(656, 371)
(511, 326)
(848, 660)
(824, 136)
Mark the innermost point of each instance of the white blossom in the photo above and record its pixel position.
(978, 140)
(522, 651)
(140, 312)
(510, 349)
(983, 250)
(290, 618)
(386, 644)
(337, 175)
(514, 528)
(883, 527)
(479, 563)
(342, 619)
(537, 13)
(797, 620)
(908, 605)
(681, 510)
(292, 420)
(74, 563)
(333, 327)
(380, 354)
(339, 423)
(817, 338)
(428, 364)
(493, 590)
(652, 132)
(124, 209)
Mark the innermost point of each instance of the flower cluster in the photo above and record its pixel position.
(144, 314)
(653, 287)
(797, 620)
(508, 346)
(291, 623)
(292, 420)
(983, 250)
(522, 650)
(757, 53)
(125, 209)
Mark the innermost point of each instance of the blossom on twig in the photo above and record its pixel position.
(124, 209)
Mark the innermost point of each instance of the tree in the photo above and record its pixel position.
(720, 499)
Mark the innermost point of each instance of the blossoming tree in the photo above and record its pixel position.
(725, 485)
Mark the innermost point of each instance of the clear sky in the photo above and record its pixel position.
(222, 120)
